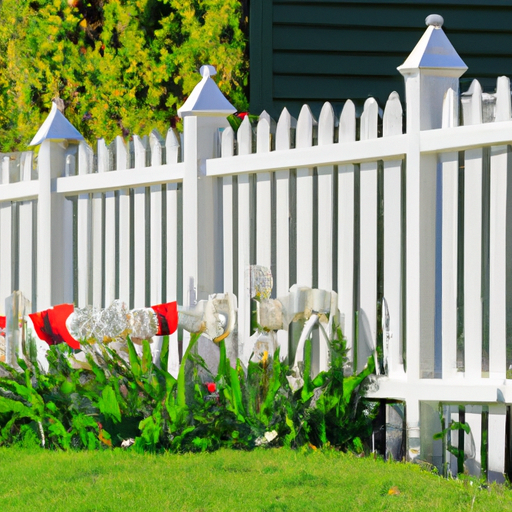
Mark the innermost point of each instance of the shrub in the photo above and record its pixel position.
(120, 67)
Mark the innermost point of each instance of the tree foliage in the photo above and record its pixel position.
(120, 66)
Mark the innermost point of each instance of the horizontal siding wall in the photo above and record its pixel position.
(307, 51)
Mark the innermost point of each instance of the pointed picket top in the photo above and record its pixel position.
(26, 165)
(392, 119)
(103, 156)
(472, 104)
(263, 136)
(206, 99)
(285, 125)
(326, 123)
(156, 143)
(228, 142)
(140, 151)
(172, 147)
(347, 125)
(450, 110)
(434, 53)
(5, 170)
(503, 106)
(122, 154)
(271, 122)
(244, 137)
(85, 158)
(265, 130)
(56, 126)
(305, 124)
(369, 119)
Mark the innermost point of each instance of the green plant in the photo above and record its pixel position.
(115, 400)
(445, 435)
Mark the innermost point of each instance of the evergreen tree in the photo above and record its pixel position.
(120, 66)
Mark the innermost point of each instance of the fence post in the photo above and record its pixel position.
(54, 251)
(430, 71)
(54, 212)
(204, 116)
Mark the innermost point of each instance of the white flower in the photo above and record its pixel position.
(266, 438)
(270, 436)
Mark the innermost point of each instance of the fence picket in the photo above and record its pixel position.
(156, 144)
(25, 233)
(368, 242)
(172, 147)
(228, 213)
(499, 217)
(139, 229)
(497, 433)
(304, 208)
(264, 198)
(84, 230)
(172, 267)
(284, 139)
(393, 254)
(473, 332)
(244, 139)
(105, 157)
(98, 236)
(228, 142)
(346, 219)
(122, 163)
(473, 417)
(449, 176)
(155, 236)
(326, 211)
(244, 228)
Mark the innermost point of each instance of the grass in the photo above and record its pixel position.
(261, 480)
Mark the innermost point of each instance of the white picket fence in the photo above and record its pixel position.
(413, 230)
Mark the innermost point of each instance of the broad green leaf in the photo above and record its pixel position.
(164, 353)
(7, 405)
(108, 404)
(147, 359)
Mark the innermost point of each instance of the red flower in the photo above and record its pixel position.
(50, 325)
(167, 315)
(211, 387)
(242, 115)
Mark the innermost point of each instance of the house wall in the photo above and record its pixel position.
(305, 51)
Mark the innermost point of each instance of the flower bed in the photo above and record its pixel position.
(117, 402)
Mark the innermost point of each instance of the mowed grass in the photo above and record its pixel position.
(261, 480)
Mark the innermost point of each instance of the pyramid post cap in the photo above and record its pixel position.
(206, 99)
(434, 54)
(56, 126)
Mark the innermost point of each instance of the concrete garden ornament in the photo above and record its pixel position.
(301, 303)
(86, 328)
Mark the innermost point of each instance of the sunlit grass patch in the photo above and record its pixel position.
(229, 480)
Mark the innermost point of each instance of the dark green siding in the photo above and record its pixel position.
(305, 51)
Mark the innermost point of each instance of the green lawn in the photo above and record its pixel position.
(261, 480)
